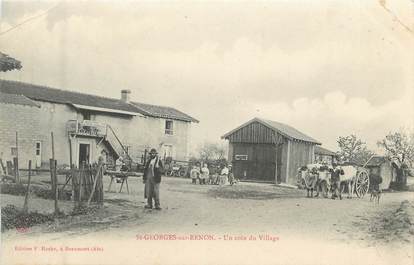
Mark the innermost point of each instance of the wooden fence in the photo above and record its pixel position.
(87, 185)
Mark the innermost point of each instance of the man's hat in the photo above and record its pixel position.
(153, 151)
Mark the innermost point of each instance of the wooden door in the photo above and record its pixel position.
(254, 162)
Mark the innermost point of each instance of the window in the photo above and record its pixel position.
(240, 157)
(38, 148)
(14, 151)
(168, 151)
(86, 115)
(169, 127)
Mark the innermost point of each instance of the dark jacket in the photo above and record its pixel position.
(158, 171)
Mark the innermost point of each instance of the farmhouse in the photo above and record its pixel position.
(84, 124)
(269, 151)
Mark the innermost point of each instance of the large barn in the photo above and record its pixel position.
(269, 151)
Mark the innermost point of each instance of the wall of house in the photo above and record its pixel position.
(386, 175)
(54, 118)
(140, 133)
(25, 121)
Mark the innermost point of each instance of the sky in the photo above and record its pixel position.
(327, 68)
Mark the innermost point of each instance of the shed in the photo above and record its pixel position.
(384, 167)
(325, 156)
(269, 151)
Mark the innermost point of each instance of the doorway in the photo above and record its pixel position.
(84, 153)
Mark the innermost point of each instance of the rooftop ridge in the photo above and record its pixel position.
(58, 89)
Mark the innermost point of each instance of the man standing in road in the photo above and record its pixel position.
(152, 179)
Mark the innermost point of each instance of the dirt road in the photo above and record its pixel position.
(199, 222)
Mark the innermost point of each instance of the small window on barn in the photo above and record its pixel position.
(240, 157)
(169, 127)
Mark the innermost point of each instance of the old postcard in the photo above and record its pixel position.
(207, 132)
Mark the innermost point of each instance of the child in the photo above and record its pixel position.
(224, 175)
(204, 174)
(232, 180)
(194, 173)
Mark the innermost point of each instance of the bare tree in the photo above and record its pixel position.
(353, 149)
(211, 151)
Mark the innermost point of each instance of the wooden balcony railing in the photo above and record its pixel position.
(87, 128)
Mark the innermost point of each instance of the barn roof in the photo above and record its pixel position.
(17, 100)
(323, 151)
(283, 129)
(91, 102)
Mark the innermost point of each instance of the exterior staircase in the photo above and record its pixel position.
(113, 141)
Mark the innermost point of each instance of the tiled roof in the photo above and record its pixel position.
(323, 151)
(289, 131)
(281, 128)
(17, 100)
(43, 93)
(48, 94)
(163, 112)
(377, 161)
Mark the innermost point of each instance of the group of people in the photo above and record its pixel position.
(154, 169)
(222, 176)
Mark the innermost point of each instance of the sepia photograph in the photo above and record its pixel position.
(207, 132)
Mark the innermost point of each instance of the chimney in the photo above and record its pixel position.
(125, 95)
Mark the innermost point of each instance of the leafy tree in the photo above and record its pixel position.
(8, 63)
(353, 150)
(399, 146)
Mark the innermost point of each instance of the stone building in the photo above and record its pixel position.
(84, 124)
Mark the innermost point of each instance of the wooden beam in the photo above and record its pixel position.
(53, 146)
(288, 160)
(56, 186)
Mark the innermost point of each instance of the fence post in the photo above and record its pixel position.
(16, 162)
(52, 171)
(9, 168)
(95, 181)
(26, 198)
(80, 183)
(16, 169)
(75, 181)
(56, 187)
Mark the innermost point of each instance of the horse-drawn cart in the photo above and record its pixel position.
(318, 177)
(361, 182)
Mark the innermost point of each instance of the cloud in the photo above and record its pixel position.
(328, 69)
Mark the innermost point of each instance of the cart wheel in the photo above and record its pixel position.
(182, 173)
(362, 184)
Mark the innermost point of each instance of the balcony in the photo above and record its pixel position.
(86, 128)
